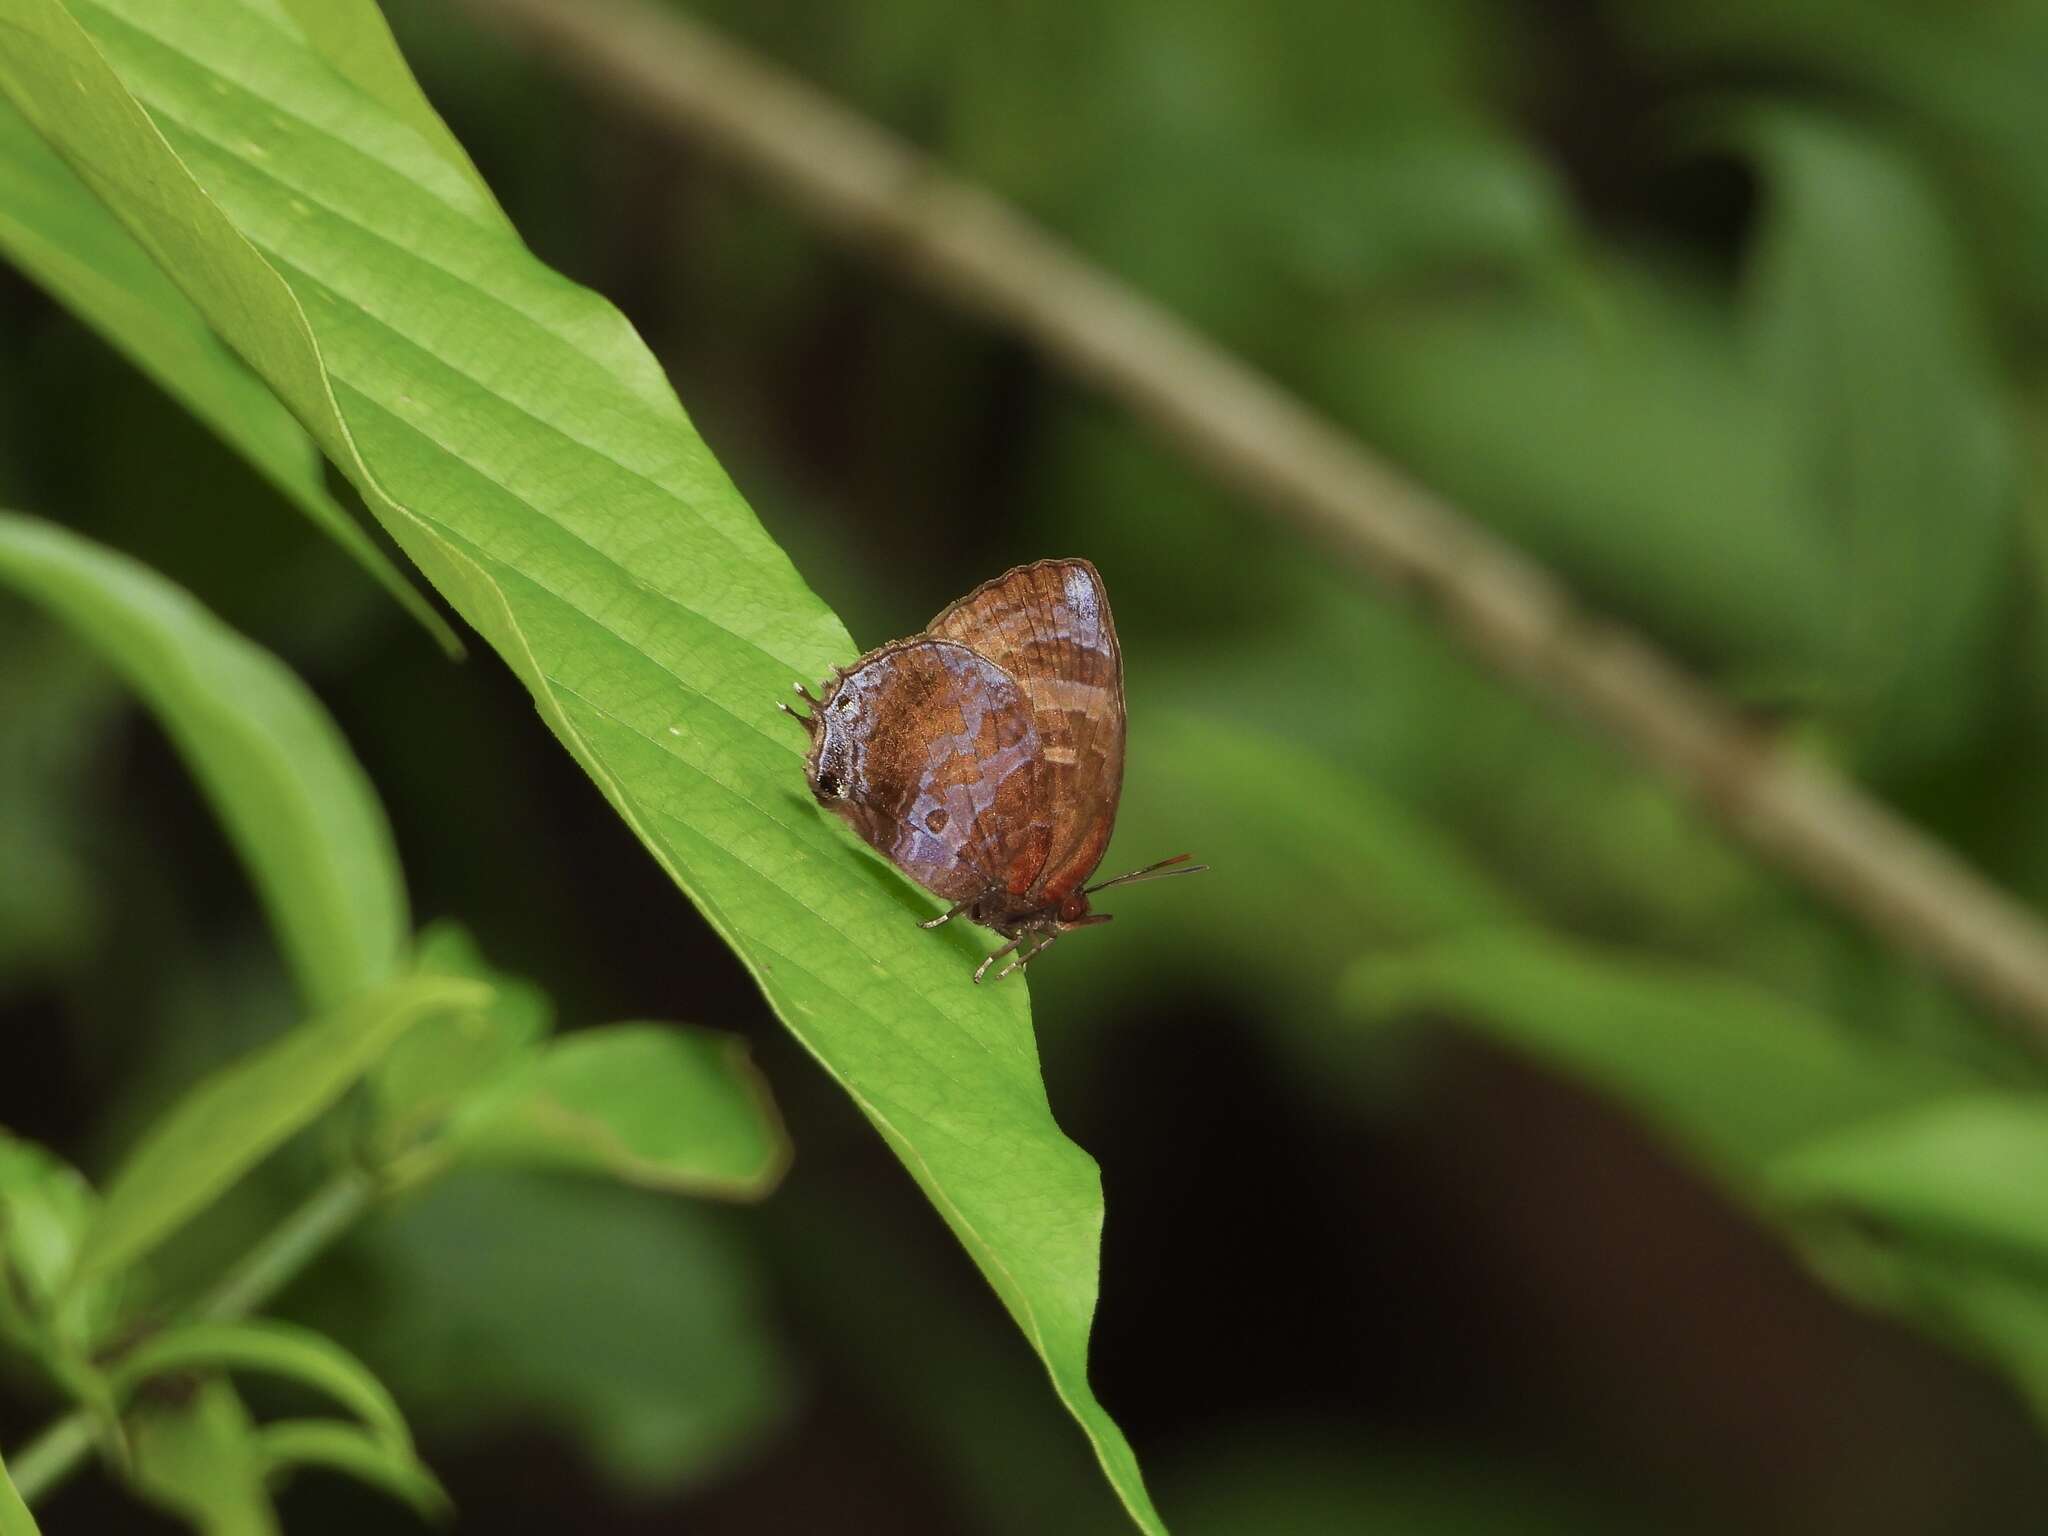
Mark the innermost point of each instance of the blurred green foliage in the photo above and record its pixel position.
(463, 1073)
(1733, 314)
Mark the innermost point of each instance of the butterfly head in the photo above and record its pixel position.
(829, 766)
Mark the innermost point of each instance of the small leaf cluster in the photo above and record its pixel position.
(417, 1054)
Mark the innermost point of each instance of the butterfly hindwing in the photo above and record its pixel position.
(1048, 626)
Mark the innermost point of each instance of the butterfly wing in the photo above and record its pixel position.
(1048, 626)
(928, 751)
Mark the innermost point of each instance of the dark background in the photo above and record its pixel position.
(1732, 314)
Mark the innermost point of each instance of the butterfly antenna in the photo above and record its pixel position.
(1165, 869)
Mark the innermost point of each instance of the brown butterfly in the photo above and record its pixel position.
(985, 757)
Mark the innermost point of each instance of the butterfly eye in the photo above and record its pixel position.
(829, 785)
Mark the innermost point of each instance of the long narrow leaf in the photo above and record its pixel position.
(1969, 1172)
(522, 446)
(15, 1520)
(232, 1120)
(271, 761)
(64, 239)
(365, 1457)
(275, 1349)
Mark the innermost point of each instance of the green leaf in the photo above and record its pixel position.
(1732, 1071)
(15, 1520)
(1971, 1172)
(227, 1124)
(435, 1066)
(355, 40)
(270, 760)
(650, 1350)
(365, 1457)
(657, 1105)
(522, 446)
(1866, 341)
(45, 1209)
(275, 1349)
(195, 1455)
(64, 239)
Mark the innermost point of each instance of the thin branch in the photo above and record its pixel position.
(877, 192)
(276, 1259)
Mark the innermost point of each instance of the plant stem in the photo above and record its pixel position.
(259, 1275)
(289, 1246)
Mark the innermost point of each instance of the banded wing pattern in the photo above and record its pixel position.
(1047, 626)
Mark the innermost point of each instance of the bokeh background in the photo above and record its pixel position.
(1733, 314)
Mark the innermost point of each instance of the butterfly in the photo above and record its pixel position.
(985, 757)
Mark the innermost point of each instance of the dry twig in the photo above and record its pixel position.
(877, 192)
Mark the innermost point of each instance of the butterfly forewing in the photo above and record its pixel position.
(929, 751)
(1048, 626)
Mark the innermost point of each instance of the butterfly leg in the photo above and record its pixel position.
(948, 915)
(1028, 956)
(982, 969)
